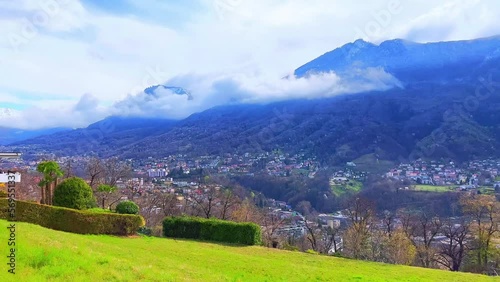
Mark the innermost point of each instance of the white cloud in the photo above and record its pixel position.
(211, 90)
(56, 114)
(81, 50)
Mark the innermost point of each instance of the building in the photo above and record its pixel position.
(160, 172)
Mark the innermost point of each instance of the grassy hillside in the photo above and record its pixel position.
(47, 255)
(433, 188)
(351, 187)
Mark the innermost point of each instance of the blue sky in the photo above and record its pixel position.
(56, 55)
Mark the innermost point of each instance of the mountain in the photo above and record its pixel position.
(394, 125)
(447, 107)
(102, 137)
(441, 62)
(11, 135)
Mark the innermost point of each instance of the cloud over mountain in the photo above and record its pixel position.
(209, 90)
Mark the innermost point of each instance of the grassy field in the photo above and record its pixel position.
(47, 255)
(370, 163)
(432, 188)
(487, 190)
(351, 187)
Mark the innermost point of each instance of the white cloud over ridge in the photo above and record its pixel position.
(211, 90)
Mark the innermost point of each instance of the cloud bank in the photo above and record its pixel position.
(211, 90)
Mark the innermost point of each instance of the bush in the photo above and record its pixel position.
(75, 221)
(212, 230)
(127, 207)
(74, 193)
(145, 231)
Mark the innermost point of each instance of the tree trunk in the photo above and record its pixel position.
(53, 187)
(42, 201)
(47, 194)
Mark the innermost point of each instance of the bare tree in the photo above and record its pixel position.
(388, 221)
(228, 200)
(360, 214)
(157, 206)
(106, 194)
(271, 223)
(451, 254)
(422, 229)
(205, 203)
(28, 189)
(313, 233)
(246, 211)
(94, 170)
(485, 211)
(115, 170)
(332, 239)
(68, 169)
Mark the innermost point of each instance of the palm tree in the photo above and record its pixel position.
(51, 171)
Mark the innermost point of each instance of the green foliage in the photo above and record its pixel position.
(127, 207)
(51, 171)
(74, 193)
(212, 230)
(3, 194)
(75, 221)
(145, 231)
(106, 188)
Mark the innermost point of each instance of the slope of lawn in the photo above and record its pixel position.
(48, 255)
(433, 188)
(351, 187)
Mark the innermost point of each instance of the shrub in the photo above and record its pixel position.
(212, 230)
(75, 221)
(74, 193)
(145, 231)
(127, 207)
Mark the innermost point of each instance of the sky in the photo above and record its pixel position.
(73, 62)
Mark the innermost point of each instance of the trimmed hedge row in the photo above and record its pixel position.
(212, 230)
(70, 220)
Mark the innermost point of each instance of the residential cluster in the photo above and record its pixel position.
(469, 175)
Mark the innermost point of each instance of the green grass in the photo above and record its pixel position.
(370, 163)
(432, 188)
(351, 187)
(48, 255)
(487, 190)
(99, 210)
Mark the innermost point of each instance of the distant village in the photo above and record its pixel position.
(472, 175)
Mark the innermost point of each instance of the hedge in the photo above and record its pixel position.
(70, 220)
(212, 230)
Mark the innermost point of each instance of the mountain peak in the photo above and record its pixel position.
(398, 57)
(362, 43)
(174, 89)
